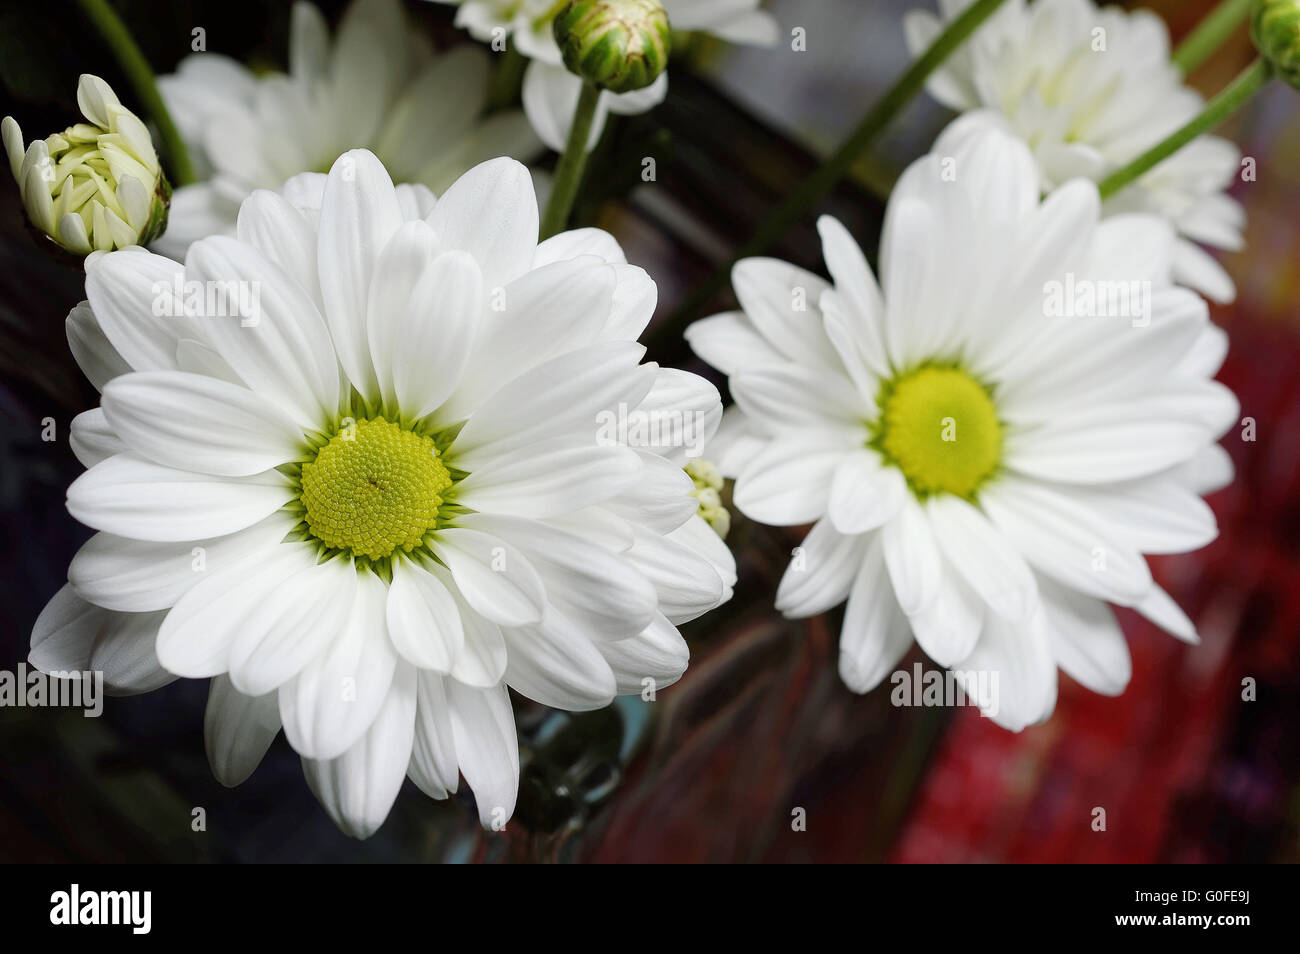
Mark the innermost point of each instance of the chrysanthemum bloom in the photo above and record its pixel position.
(358, 466)
(988, 442)
(96, 185)
(551, 92)
(376, 85)
(1091, 89)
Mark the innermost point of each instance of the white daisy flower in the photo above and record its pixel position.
(376, 85)
(551, 92)
(983, 471)
(1090, 89)
(351, 465)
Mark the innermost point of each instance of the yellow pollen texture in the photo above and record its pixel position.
(939, 426)
(373, 489)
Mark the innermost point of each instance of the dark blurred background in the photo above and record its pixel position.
(761, 725)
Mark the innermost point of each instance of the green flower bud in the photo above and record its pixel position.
(1275, 28)
(708, 491)
(96, 185)
(618, 45)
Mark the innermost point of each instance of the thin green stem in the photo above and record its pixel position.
(812, 189)
(568, 173)
(1235, 95)
(141, 77)
(1211, 33)
(506, 79)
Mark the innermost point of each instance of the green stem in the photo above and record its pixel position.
(823, 179)
(1233, 97)
(141, 77)
(568, 173)
(1211, 33)
(506, 79)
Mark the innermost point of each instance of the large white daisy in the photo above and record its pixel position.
(983, 471)
(381, 487)
(551, 92)
(376, 85)
(1090, 89)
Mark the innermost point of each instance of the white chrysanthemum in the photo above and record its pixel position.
(1091, 89)
(551, 92)
(376, 85)
(95, 186)
(354, 465)
(981, 474)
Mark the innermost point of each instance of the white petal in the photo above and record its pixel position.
(201, 424)
(437, 332)
(912, 557)
(293, 625)
(237, 730)
(1087, 640)
(73, 636)
(552, 662)
(653, 659)
(486, 747)
(981, 556)
(359, 214)
(687, 583)
(562, 396)
(548, 311)
(542, 481)
(550, 95)
(433, 755)
(1065, 540)
(781, 300)
(599, 592)
(135, 498)
(137, 576)
(864, 493)
(92, 439)
(1160, 608)
(132, 294)
(948, 628)
(196, 637)
(283, 235)
(423, 619)
(494, 577)
(875, 634)
(660, 499)
(491, 212)
(822, 571)
(359, 787)
(329, 706)
(787, 483)
(730, 342)
(95, 355)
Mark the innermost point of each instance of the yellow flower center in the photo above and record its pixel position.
(939, 426)
(374, 488)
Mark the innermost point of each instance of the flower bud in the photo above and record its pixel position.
(708, 491)
(617, 45)
(96, 186)
(1275, 28)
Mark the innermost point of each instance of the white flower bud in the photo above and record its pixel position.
(97, 185)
